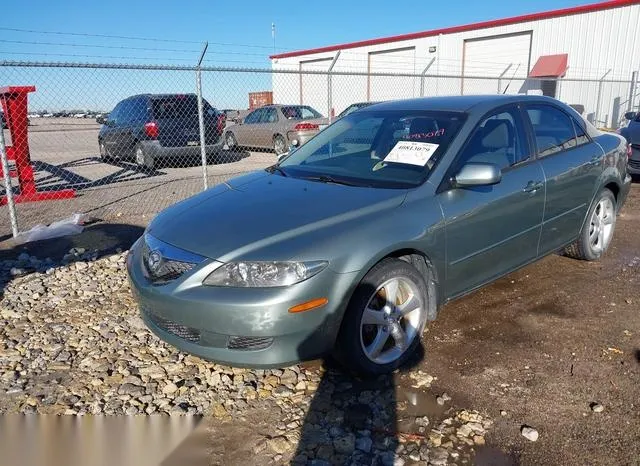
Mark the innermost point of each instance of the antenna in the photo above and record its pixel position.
(273, 36)
(512, 76)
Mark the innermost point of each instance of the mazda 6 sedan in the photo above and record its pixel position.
(350, 245)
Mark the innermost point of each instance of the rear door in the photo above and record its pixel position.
(572, 163)
(120, 136)
(177, 119)
(492, 230)
(266, 127)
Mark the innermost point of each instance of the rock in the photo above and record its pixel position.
(438, 457)
(415, 455)
(422, 421)
(596, 407)
(478, 439)
(364, 444)
(130, 389)
(153, 372)
(503, 412)
(345, 444)
(529, 433)
(170, 388)
(440, 401)
(219, 410)
(399, 461)
(278, 444)
(464, 431)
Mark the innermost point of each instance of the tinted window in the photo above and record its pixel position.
(499, 139)
(553, 130)
(115, 113)
(269, 115)
(387, 149)
(138, 111)
(178, 106)
(299, 112)
(124, 115)
(581, 136)
(253, 117)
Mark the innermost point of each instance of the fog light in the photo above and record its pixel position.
(309, 305)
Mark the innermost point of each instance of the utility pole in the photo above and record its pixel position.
(273, 36)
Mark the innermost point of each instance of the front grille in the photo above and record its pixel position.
(182, 331)
(249, 343)
(634, 164)
(169, 269)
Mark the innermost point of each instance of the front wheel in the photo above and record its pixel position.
(104, 153)
(385, 319)
(597, 231)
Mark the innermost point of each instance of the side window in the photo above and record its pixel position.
(253, 117)
(138, 111)
(499, 139)
(581, 136)
(269, 115)
(552, 128)
(124, 116)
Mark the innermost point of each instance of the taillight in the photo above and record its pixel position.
(306, 127)
(222, 120)
(151, 130)
(629, 151)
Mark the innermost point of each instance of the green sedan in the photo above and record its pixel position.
(353, 242)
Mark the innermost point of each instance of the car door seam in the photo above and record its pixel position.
(494, 245)
(544, 206)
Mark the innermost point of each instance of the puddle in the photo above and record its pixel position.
(490, 456)
(550, 308)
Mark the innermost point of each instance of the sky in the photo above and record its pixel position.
(239, 34)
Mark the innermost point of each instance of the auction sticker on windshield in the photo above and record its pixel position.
(411, 152)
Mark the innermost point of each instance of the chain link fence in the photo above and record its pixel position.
(122, 142)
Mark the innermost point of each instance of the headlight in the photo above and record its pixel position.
(263, 274)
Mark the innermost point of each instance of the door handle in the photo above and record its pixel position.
(532, 186)
(595, 160)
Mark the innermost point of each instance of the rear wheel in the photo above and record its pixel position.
(230, 140)
(597, 231)
(385, 319)
(144, 158)
(104, 153)
(279, 145)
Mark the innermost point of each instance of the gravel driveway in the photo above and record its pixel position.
(554, 347)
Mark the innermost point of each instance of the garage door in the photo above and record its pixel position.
(397, 61)
(313, 87)
(490, 56)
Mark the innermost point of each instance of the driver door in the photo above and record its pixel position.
(492, 230)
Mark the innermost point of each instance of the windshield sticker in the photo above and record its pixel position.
(429, 135)
(411, 153)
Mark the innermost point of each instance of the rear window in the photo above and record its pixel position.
(175, 107)
(300, 112)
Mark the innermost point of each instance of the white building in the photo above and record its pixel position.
(575, 46)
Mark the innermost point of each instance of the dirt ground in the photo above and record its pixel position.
(536, 348)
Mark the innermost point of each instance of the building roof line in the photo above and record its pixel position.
(467, 27)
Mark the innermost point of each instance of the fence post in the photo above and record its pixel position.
(329, 87)
(632, 90)
(426, 68)
(203, 147)
(501, 76)
(597, 117)
(7, 185)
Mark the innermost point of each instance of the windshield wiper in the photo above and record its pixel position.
(330, 179)
(276, 168)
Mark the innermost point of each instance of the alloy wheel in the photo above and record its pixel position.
(601, 225)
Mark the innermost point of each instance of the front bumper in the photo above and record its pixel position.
(249, 327)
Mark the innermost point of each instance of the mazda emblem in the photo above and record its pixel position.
(154, 261)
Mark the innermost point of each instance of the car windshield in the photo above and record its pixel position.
(299, 112)
(376, 148)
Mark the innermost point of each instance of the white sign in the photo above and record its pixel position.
(411, 152)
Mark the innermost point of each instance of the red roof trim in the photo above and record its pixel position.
(550, 66)
(467, 27)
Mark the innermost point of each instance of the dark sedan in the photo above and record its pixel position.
(353, 244)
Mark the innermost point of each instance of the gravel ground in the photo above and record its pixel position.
(542, 367)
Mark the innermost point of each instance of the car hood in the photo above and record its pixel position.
(255, 211)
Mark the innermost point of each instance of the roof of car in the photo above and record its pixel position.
(458, 103)
(160, 96)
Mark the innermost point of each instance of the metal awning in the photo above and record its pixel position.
(550, 66)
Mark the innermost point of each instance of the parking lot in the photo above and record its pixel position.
(65, 155)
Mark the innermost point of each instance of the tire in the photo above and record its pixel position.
(597, 231)
(356, 339)
(104, 153)
(143, 158)
(279, 145)
(230, 140)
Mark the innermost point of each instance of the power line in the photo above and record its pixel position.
(121, 47)
(108, 36)
(90, 56)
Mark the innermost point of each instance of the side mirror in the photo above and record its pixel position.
(630, 115)
(477, 174)
(100, 120)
